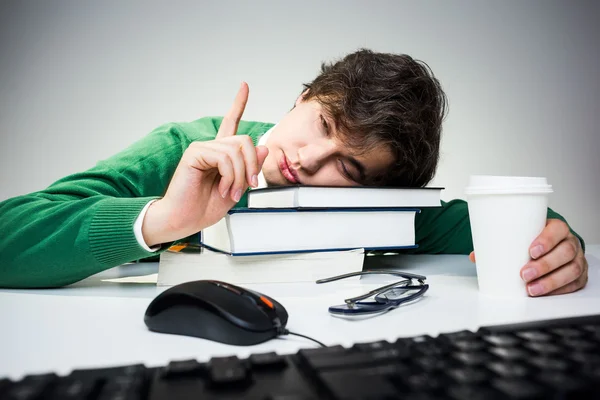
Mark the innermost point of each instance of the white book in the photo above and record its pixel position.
(341, 197)
(251, 231)
(179, 267)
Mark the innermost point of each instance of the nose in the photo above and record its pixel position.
(312, 156)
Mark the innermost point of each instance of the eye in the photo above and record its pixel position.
(345, 171)
(325, 124)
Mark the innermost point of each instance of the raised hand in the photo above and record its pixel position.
(210, 178)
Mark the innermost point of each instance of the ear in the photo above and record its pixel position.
(300, 98)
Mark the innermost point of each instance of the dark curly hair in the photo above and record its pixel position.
(386, 99)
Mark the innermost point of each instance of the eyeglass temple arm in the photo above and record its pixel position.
(402, 274)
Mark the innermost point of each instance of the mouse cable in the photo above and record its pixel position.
(286, 332)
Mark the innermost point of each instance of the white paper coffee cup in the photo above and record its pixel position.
(506, 213)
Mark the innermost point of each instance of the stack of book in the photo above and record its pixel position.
(300, 233)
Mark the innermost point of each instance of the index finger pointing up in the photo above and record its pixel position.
(232, 119)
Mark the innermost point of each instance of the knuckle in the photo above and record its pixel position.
(564, 228)
(542, 266)
(570, 249)
(577, 268)
(247, 140)
(548, 284)
(235, 150)
(223, 158)
(571, 287)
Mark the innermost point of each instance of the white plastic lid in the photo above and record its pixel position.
(488, 184)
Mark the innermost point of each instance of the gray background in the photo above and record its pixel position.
(80, 80)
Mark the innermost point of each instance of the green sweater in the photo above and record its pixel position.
(83, 223)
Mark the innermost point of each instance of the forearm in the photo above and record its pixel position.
(83, 223)
(48, 242)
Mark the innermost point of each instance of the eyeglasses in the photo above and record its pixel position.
(385, 298)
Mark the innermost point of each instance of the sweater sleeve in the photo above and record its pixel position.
(83, 224)
(447, 229)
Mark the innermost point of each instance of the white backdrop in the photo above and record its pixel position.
(80, 80)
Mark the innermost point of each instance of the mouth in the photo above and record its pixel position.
(289, 174)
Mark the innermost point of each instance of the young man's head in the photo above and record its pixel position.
(369, 119)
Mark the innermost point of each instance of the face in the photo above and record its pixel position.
(304, 149)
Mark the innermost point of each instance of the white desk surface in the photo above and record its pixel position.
(100, 324)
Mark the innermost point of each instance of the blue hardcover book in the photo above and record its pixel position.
(248, 231)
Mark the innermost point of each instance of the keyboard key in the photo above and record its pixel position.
(30, 388)
(421, 339)
(4, 384)
(459, 336)
(469, 375)
(544, 348)
(550, 363)
(105, 373)
(426, 382)
(322, 351)
(580, 344)
(393, 371)
(373, 346)
(473, 358)
(567, 332)
(502, 339)
(226, 371)
(20, 391)
(534, 335)
(595, 337)
(267, 360)
(431, 348)
(348, 385)
(465, 392)
(289, 396)
(428, 363)
(351, 359)
(585, 357)
(115, 393)
(469, 345)
(123, 387)
(510, 353)
(508, 369)
(518, 388)
(592, 372)
(385, 355)
(561, 383)
(591, 328)
(404, 349)
(74, 389)
(185, 368)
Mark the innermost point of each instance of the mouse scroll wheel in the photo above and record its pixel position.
(267, 302)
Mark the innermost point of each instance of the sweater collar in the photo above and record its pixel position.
(262, 182)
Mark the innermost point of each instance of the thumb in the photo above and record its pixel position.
(472, 256)
(261, 154)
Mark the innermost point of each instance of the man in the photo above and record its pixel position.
(369, 119)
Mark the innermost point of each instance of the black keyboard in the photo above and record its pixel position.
(554, 359)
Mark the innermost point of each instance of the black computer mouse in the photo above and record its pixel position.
(216, 311)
